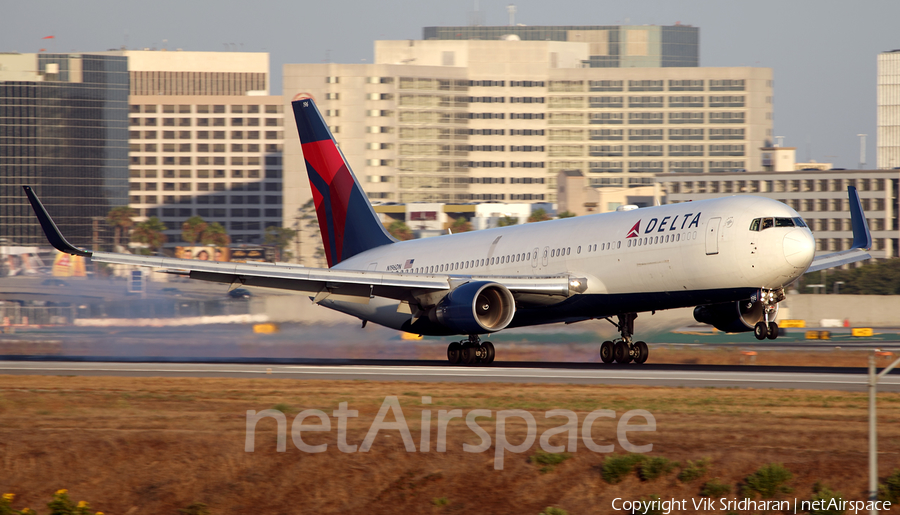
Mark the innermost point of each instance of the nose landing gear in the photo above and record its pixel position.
(767, 328)
(623, 350)
(470, 351)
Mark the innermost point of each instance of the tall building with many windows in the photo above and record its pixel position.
(610, 46)
(205, 140)
(63, 130)
(474, 120)
(888, 138)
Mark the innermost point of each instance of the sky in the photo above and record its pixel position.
(822, 52)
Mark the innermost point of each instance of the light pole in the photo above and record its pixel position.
(873, 428)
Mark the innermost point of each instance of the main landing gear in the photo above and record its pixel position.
(623, 350)
(470, 352)
(767, 328)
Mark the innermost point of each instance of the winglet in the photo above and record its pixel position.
(50, 229)
(862, 238)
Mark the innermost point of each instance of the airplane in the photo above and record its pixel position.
(729, 258)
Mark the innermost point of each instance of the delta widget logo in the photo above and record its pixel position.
(635, 231)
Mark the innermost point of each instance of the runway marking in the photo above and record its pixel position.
(518, 374)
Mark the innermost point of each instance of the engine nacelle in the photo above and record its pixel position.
(733, 317)
(476, 308)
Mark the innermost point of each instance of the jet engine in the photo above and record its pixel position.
(475, 308)
(733, 317)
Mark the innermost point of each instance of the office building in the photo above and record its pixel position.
(63, 130)
(477, 120)
(888, 90)
(205, 140)
(611, 46)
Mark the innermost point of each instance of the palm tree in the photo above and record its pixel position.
(506, 221)
(192, 229)
(150, 233)
(400, 230)
(460, 225)
(538, 215)
(120, 218)
(215, 235)
(280, 237)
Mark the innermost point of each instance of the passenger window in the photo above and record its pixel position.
(578, 250)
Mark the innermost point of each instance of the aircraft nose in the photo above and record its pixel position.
(799, 248)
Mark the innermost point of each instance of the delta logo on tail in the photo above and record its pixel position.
(635, 231)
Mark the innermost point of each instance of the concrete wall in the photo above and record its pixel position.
(860, 310)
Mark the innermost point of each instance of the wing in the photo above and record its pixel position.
(336, 284)
(862, 239)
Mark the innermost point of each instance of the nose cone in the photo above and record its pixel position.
(799, 248)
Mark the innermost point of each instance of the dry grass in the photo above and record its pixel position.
(151, 445)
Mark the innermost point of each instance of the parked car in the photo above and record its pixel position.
(240, 293)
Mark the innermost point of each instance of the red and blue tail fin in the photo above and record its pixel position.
(346, 218)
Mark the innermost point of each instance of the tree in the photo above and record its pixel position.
(280, 237)
(215, 235)
(192, 229)
(150, 233)
(538, 215)
(507, 220)
(565, 214)
(400, 230)
(882, 278)
(306, 226)
(460, 225)
(121, 219)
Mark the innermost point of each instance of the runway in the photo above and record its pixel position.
(806, 378)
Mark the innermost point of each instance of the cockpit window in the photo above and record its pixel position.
(761, 224)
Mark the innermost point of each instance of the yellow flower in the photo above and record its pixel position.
(82, 504)
(99, 513)
(9, 497)
(62, 491)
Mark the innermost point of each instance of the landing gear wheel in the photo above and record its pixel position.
(621, 352)
(760, 331)
(641, 351)
(488, 353)
(454, 353)
(773, 331)
(606, 352)
(469, 354)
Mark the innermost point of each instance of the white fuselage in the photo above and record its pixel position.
(687, 247)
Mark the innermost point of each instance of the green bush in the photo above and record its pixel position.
(615, 468)
(656, 466)
(550, 510)
(549, 460)
(693, 470)
(282, 407)
(714, 488)
(197, 508)
(823, 493)
(890, 489)
(769, 481)
(440, 501)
